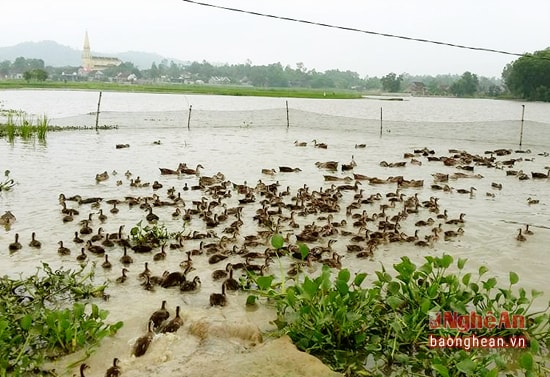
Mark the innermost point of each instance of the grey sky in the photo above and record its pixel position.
(185, 31)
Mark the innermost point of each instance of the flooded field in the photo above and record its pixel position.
(233, 195)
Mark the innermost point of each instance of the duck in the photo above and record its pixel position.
(464, 191)
(98, 236)
(221, 274)
(16, 245)
(537, 175)
(333, 262)
(156, 185)
(230, 283)
(83, 367)
(167, 171)
(319, 145)
(86, 229)
(107, 242)
(159, 316)
(106, 264)
(520, 237)
(300, 143)
(496, 185)
(125, 259)
(190, 171)
(360, 146)
(122, 278)
(142, 248)
(67, 218)
(101, 216)
(188, 262)
(114, 210)
(82, 256)
(173, 279)
(288, 169)
(34, 242)
(460, 220)
(176, 213)
(268, 171)
(143, 342)
(62, 250)
(151, 217)
(218, 299)
(114, 370)
(77, 239)
(161, 255)
(146, 272)
(532, 201)
(190, 285)
(148, 285)
(96, 249)
(100, 177)
(174, 324)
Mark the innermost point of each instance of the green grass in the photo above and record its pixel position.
(183, 89)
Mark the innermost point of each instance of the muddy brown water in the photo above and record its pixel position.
(224, 139)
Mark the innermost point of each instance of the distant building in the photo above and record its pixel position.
(96, 63)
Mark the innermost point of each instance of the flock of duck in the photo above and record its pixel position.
(350, 216)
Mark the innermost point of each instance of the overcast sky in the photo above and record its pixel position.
(176, 29)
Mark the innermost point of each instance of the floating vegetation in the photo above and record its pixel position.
(48, 315)
(387, 329)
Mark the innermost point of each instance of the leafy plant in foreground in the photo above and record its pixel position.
(42, 317)
(384, 329)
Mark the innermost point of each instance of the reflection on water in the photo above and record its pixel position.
(70, 160)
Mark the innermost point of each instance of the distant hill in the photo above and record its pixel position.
(57, 55)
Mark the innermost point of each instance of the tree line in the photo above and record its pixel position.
(528, 77)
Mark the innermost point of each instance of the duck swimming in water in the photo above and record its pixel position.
(16, 245)
(218, 299)
(159, 316)
(113, 371)
(174, 324)
(143, 342)
(62, 250)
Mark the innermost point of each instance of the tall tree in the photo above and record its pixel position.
(529, 76)
(391, 82)
(466, 85)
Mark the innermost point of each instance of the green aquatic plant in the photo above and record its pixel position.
(25, 128)
(10, 128)
(386, 329)
(156, 234)
(48, 315)
(42, 126)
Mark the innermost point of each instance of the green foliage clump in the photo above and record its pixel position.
(384, 329)
(153, 235)
(25, 128)
(45, 316)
